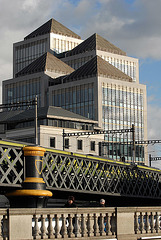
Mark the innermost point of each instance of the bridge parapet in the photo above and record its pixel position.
(85, 173)
(131, 223)
(66, 171)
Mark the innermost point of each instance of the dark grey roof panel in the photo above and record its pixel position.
(52, 26)
(45, 62)
(4, 116)
(97, 67)
(95, 42)
(36, 66)
(43, 112)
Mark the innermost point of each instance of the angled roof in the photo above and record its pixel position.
(97, 67)
(45, 62)
(95, 42)
(5, 115)
(43, 112)
(52, 26)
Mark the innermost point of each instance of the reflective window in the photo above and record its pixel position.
(120, 109)
(78, 99)
(23, 91)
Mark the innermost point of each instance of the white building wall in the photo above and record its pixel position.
(61, 43)
(128, 65)
(47, 132)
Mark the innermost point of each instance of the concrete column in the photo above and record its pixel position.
(20, 227)
(125, 224)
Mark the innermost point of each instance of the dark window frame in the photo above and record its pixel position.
(92, 145)
(67, 143)
(52, 142)
(80, 144)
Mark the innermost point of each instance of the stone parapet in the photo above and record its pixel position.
(131, 223)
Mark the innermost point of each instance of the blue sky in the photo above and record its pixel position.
(150, 76)
(132, 25)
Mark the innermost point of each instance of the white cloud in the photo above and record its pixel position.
(154, 132)
(30, 5)
(154, 122)
(135, 28)
(18, 19)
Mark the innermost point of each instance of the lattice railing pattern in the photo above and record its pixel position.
(11, 165)
(81, 174)
(87, 175)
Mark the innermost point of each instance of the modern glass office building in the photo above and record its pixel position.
(101, 92)
(23, 90)
(52, 36)
(33, 80)
(92, 78)
(78, 99)
(123, 106)
(97, 45)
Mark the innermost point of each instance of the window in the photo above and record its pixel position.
(79, 145)
(92, 145)
(52, 142)
(66, 142)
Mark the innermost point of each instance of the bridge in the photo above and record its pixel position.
(85, 176)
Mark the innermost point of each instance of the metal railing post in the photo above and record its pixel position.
(36, 131)
(133, 142)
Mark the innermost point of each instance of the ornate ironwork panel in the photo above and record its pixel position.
(11, 165)
(83, 174)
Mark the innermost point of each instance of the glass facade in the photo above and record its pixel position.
(26, 140)
(51, 122)
(126, 66)
(60, 45)
(27, 53)
(122, 107)
(78, 62)
(77, 99)
(23, 91)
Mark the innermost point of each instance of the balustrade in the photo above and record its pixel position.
(147, 221)
(3, 225)
(81, 223)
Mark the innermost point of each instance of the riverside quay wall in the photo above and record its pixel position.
(123, 223)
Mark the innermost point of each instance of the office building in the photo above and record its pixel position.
(97, 45)
(100, 91)
(34, 80)
(92, 78)
(19, 125)
(52, 36)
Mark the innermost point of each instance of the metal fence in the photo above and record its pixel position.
(91, 174)
(80, 173)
